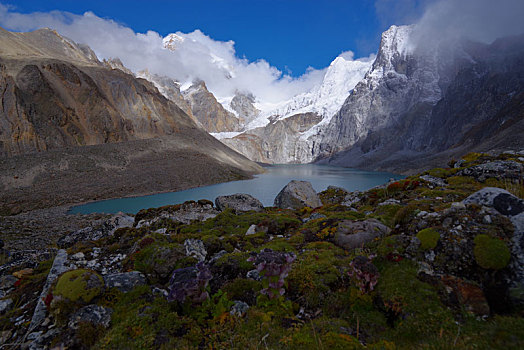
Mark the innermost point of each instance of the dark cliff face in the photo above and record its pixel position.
(480, 108)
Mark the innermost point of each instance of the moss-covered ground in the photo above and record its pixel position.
(324, 305)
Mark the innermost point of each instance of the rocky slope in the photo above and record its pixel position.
(210, 114)
(57, 96)
(432, 261)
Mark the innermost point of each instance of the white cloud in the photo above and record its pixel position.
(196, 57)
(476, 20)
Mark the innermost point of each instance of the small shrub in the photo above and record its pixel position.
(491, 253)
(428, 238)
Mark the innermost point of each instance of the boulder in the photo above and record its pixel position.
(500, 169)
(296, 195)
(94, 314)
(354, 234)
(239, 202)
(109, 227)
(433, 181)
(124, 282)
(239, 308)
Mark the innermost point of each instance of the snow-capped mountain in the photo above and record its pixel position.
(364, 112)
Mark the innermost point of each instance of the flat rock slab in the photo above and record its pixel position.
(239, 202)
(354, 234)
(296, 195)
(94, 314)
(124, 282)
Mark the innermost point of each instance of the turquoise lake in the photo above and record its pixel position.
(265, 187)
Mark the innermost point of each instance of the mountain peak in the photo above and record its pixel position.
(172, 41)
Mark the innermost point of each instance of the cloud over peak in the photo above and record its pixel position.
(192, 55)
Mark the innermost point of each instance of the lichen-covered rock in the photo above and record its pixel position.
(94, 314)
(296, 195)
(79, 286)
(195, 248)
(59, 266)
(7, 281)
(124, 282)
(433, 181)
(239, 202)
(273, 267)
(5, 305)
(500, 169)
(183, 213)
(189, 284)
(354, 234)
(109, 227)
(239, 308)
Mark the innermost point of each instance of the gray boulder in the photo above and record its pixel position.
(354, 234)
(109, 227)
(296, 195)
(124, 282)
(507, 169)
(239, 202)
(94, 314)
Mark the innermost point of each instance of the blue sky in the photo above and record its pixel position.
(290, 34)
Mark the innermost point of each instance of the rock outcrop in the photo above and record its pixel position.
(208, 111)
(296, 195)
(239, 202)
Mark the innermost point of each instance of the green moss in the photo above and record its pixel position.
(491, 253)
(388, 245)
(243, 289)
(79, 285)
(279, 245)
(405, 214)
(414, 308)
(315, 274)
(442, 173)
(386, 214)
(428, 238)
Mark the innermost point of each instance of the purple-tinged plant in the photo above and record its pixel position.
(364, 272)
(274, 268)
(190, 284)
